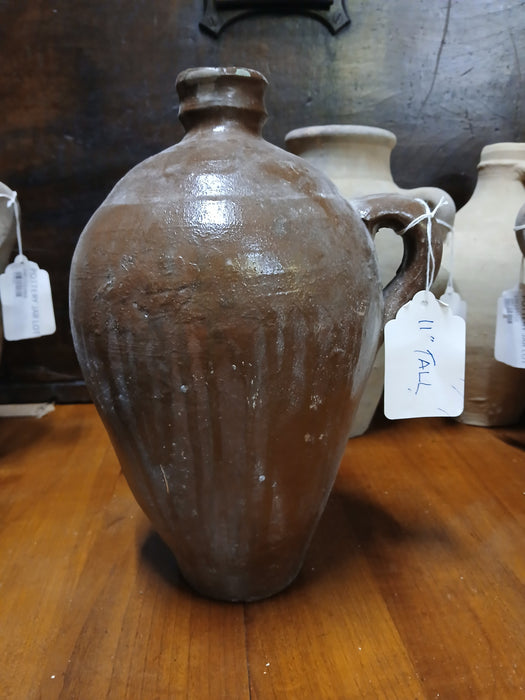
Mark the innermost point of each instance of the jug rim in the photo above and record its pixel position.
(206, 74)
(369, 134)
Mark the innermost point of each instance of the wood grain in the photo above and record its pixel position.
(413, 586)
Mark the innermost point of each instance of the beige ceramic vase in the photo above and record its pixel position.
(487, 262)
(357, 160)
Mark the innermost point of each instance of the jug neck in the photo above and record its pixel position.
(345, 151)
(501, 167)
(220, 99)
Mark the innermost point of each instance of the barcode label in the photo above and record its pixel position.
(27, 305)
(509, 342)
(19, 284)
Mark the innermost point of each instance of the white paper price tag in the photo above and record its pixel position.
(509, 344)
(424, 360)
(27, 305)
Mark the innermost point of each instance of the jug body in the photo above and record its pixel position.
(226, 308)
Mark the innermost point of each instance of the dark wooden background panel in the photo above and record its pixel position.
(87, 91)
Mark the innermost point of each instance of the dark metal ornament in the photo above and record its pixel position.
(220, 13)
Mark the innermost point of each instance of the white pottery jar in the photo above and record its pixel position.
(357, 160)
(487, 262)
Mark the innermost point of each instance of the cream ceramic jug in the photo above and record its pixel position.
(487, 262)
(357, 160)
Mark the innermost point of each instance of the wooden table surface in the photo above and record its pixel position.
(414, 585)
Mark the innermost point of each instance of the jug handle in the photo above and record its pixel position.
(397, 211)
(519, 228)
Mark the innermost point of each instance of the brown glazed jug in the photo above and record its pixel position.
(226, 308)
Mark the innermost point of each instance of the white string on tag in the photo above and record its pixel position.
(451, 296)
(13, 202)
(444, 223)
(429, 215)
(25, 292)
